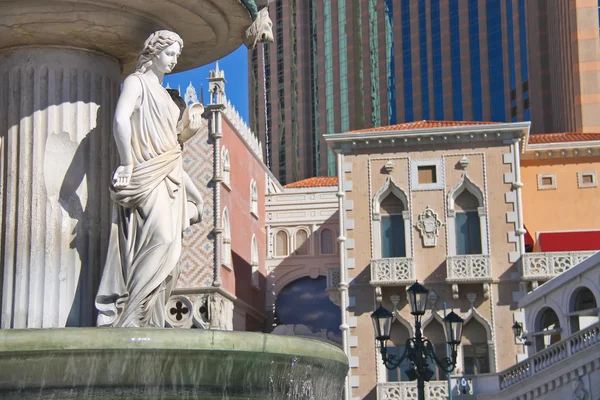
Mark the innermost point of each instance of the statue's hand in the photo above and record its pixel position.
(195, 121)
(122, 176)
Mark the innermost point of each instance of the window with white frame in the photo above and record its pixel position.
(301, 242)
(326, 237)
(467, 219)
(281, 244)
(546, 181)
(226, 240)
(467, 225)
(475, 349)
(253, 198)
(395, 347)
(427, 174)
(225, 166)
(254, 262)
(587, 179)
(392, 227)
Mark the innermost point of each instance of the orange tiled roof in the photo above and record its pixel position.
(319, 181)
(423, 125)
(542, 138)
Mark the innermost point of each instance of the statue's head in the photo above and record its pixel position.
(156, 43)
(260, 30)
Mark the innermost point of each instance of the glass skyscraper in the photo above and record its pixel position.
(342, 65)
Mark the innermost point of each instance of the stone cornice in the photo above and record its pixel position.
(347, 142)
(562, 150)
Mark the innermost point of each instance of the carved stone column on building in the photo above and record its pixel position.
(56, 151)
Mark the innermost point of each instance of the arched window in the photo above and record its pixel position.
(475, 350)
(327, 241)
(281, 244)
(226, 166)
(467, 219)
(582, 309)
(395, 347)
(226, 235)
(468, 231)
(254, 262)
(302, 243)
(547, 329)
(392, 227)
(253, 198)
(434, 331)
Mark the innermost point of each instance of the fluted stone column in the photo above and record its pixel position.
(56, 157)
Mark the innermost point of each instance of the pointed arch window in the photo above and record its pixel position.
(475, 350)
(391, 222)
(467, 219)
(395, 347)
(226, 240)
(225, 166)
(393, 236)
(281, 244)
(468, 230)
(254, 262)
(253, 198)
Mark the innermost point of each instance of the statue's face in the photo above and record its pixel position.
(166, 60)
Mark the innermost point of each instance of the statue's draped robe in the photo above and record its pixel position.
(142, 264)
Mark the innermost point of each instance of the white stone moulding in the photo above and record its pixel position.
(544, 266)
(434, 390)
(392, 271)
(468, 268)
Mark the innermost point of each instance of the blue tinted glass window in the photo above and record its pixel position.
(496, 60)
(398, 374)
(407, 61)
(436, 49)
(392, 236)
(511, 54)
(423, 56)
(475, 59)
(391, 63)
(524, 65)
(468, 233)
(455, 63)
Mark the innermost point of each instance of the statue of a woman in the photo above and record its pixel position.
(154, 197)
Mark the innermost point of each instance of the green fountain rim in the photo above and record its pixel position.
(140, 339)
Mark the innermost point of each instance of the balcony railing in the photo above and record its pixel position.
(579, 342)
(544, 266)
(392, 271)
(434, 390)
(469, 268)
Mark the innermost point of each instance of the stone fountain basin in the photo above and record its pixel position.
(97, 363)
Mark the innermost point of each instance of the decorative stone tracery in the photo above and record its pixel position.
(429, 226)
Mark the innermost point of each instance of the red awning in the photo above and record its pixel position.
(569, 241)
(528, 238)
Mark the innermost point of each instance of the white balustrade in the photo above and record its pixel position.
(544, 266)
(469, 268)
(392, 271)
(558, 352)
(435, 390)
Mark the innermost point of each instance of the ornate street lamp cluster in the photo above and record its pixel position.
(418, 350)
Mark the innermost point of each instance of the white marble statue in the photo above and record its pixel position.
(154, 199)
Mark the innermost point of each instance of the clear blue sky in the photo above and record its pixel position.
(235, 66)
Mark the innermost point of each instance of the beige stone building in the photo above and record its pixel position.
(438, 202)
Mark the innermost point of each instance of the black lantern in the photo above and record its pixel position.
(382, 322)
(417, 297)
(453, 325)
(517, 329)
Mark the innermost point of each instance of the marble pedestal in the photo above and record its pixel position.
(56, 157)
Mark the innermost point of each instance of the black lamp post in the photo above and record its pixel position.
(418, 350)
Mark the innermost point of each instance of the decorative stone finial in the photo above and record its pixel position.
(191, 97)
(464, 162)
(389, 166)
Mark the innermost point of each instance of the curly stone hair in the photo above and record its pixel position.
(156, 42)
